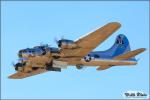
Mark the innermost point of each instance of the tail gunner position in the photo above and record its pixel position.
(40, 59)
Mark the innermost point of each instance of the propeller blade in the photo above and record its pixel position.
(13, 64)
(62, 37)
(56, 40)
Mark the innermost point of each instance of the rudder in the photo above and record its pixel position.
(121, 45)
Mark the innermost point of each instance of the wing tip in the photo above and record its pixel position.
(143, 49)
(18, 75)
(115, 23)
(13, 77)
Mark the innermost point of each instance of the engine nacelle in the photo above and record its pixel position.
(36, 51)
(66, 44)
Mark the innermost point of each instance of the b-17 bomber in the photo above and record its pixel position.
(44, 58)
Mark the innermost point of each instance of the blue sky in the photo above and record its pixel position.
(27, 24)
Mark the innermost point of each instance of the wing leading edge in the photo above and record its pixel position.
(20, 75)
(92, 40)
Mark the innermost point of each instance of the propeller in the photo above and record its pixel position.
(44, 45)
(55, 40)
(41, 43)
(138, 59)
(59, 42)
(13, 64)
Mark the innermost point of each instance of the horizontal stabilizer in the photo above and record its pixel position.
(103, 67)
(129, 54)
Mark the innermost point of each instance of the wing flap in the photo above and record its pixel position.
(103, 67)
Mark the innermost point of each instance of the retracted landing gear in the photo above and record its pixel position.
(79, 66)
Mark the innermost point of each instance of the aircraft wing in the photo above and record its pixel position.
(20, 75)
(91, 41)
